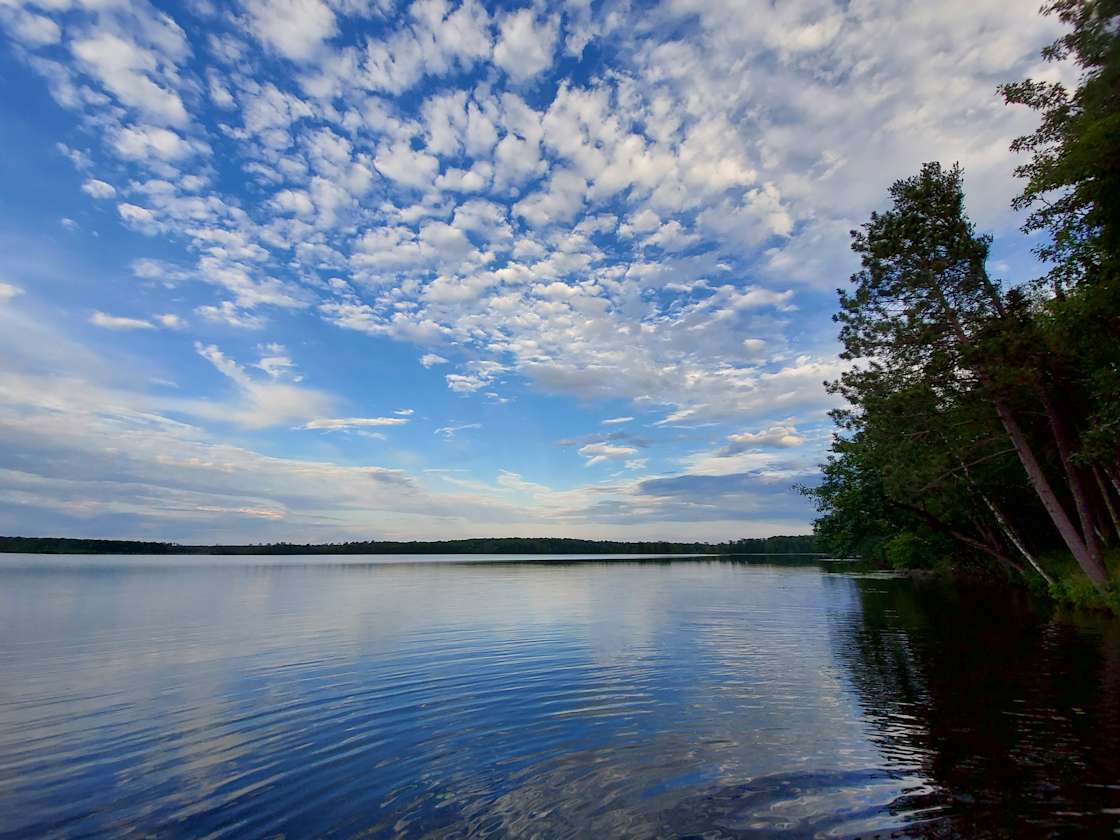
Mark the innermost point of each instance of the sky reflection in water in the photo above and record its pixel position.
(563, 699)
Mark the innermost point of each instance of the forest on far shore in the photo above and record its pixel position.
(803, 544)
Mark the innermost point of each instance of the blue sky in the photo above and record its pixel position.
(334, 269)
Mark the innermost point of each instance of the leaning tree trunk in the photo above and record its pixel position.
(1003, 522)
(1074, 476)
(1107, 496)
(1090, 564)
(1014, 538)
(991, 548)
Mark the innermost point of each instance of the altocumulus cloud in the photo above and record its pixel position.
(520, 220)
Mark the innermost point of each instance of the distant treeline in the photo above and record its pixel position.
(500, 545)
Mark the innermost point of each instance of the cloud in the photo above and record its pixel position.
(114, 322)
(596, 453)
(98, 189)
(559, 202)
(294, 201)
(170, 320)
(139, 218)
(407, 166)
(615, 421)
(30, 28)
(228, 313)
(257, 403)
(8, 291)
(334, 424)
(449, 432)
(126, 69)
(276, 362)
(481, 376)
(296, 29)
(774, 436)
(654, 224)
(142, 142)
(526, 44)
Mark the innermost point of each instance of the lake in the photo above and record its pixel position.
(495, 697)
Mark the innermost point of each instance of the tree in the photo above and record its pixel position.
(1073, 176)
(925, 317)
(978, 413)
(1072, 190)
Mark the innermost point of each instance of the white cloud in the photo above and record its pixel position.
(616, 421)
(559, 202)
(449, 432)
(34, 30)
(672, 236)
(294, 28)
(8, 291)
(141, 142)
(294, 201)
(219, 93)
(115, 322)
(781, 436)
(596, 453)
(481, 375)
(276, 362)
(644, 234)
(258, 403)
(228, 313)
(138, 217)
(98, 189)
(171, 321)
(407, 166)
(465, 383)
(334, 424)
(526, 45)
(433, 39)
(126, 69)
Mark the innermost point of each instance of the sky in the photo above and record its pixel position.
(319, 270)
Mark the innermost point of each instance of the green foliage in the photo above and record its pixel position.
(1072, 188)
(920, 444)
(854, 514)
(1073, 589)
(910, 550)
(983, 425)
(1073, 175)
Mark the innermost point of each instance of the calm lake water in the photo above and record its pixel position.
(249, 696)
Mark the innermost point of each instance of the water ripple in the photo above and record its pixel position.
(702, 698)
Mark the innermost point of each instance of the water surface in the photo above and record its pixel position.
(374, 696)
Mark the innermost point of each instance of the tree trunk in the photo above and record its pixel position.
(1092, 566)
(1081, 497)
(1089, 562)
(1107, 496)
(1013, 538)
(1114, 478)
(996, 548)
(937, 525)
(1004, 523)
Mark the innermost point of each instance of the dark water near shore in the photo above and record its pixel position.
(360, 697)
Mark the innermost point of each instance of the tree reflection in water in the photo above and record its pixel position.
(1011, 714)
